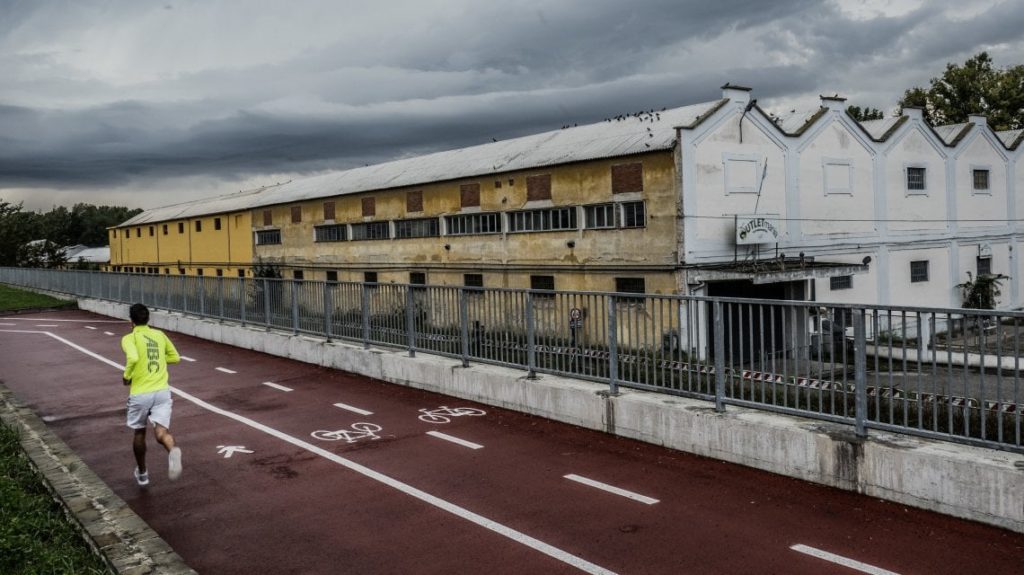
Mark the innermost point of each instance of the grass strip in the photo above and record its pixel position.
(36, 537)
(14, 299)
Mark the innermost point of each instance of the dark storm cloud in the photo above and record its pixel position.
(231, 102)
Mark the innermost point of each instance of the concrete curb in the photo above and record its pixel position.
(974, 483)
(125, 542)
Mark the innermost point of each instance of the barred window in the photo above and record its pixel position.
(417, 278)
(984, 266)
(633, 215)
(599, 216)
(470, 224)
(981, 180)
(919, 271)
(371, 231)
(268, 237)
(545, 283)
(543, 220)
(332, 233)
(916, 179)
(473, 280)
(840, 282)
(417, 228)
(370, 277)
(298, 275)
(616, 215)
(630, 285)
(332, 276)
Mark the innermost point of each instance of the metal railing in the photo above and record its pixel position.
(951, 374)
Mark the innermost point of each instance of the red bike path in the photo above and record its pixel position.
(262, 494)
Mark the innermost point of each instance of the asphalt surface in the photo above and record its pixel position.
(280, 478)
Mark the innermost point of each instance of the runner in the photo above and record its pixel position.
(147, 353)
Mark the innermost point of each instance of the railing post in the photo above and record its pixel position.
(464, 324)
(220, 297)
(328, 309)
(860, 377)
(531, 339)
(266, 302)
(410, 320)
(295, 306)
(719, 357)
(613, 348)
(242, 296)
(365, 294)
(202, 296)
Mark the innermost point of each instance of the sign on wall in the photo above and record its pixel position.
(757, 229)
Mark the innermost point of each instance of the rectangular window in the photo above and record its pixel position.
(546, 283)
(332, 276)
(916, 179)
(113, 233)
(165, 229)
(633, 215)
(981, 180)
(241, 273)
(471, 224)
(216, 223)
(473, 280)
(984, 266)
(538, 187)
(296, 214)
(199, 225)
(331, 233)
(840, 282)
(328, 210)
(630, 285)
(152, 231)
(138, 232)
(371, 231)
(268, 217)
(599, 216)
(550, 219)
(919, 271)
(417, 278)
(414, 201)
(369, 207)
(199, 271)
(370, 277)
(627, 178)
(181, 227)
(167, 271)
(298, 275)
(181, 271)
(469, 195)
(418, 228)
(268, 237)
(220, 273)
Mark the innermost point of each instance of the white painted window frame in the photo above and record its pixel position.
(758, 161)
(842, 162)
(987, 191)
(906, 178)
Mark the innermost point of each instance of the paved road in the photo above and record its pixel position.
(494, 493)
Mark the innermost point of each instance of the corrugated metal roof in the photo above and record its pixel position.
(622, 136)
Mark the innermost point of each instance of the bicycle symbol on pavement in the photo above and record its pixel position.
(357, 432)
(444, 413)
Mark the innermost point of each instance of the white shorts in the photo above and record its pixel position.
(155, 406)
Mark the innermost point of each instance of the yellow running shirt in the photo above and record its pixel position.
(147, 352)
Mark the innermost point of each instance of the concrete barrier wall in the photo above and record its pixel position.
(973, 483)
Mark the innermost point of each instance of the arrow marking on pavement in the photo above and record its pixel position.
(229, 450)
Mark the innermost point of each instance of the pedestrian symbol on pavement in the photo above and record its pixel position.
(229, 450)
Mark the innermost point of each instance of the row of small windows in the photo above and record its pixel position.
(165, 230)
(918, 273)
(219, 272)
(597, 216)
(636, 285)
(917, 179)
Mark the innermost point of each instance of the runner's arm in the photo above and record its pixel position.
(170, 353)
(131, 357)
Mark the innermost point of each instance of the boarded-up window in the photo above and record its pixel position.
(414, 201)
(627, 178)
(296, 214)
(268, 218)
(538, 187)
(369, 207)
(470, 195)
(328, 210)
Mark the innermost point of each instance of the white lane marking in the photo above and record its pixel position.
(840, 560)
(461, 442)
(277, 386)
(517, 536)
(225, 370)
(47, 325)
(8, 324)
(66, 320)
(108, 333)
(89, 327)
(187, 358)
(611, 489)
(353, 409)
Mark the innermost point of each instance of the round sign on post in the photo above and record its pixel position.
(575, 318)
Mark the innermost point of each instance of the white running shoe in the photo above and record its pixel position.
(174, 464)
(141, 478)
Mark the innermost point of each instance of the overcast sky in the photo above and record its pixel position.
(144, 103)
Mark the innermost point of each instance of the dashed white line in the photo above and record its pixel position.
(89, 327)
(188, 359)
(225, 370)
(611, 489)
(66, 320)
(461, 512)
(47, 325)
(353, 409)
(9, 324)
(109, 333)
(277, 386)
(840, 560)
(461, 442)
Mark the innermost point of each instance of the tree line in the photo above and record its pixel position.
(35, 239)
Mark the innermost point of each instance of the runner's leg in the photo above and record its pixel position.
(139, 447)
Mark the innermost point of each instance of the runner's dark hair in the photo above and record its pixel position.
(139, 314)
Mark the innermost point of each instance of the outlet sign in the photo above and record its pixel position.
(757, 229)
